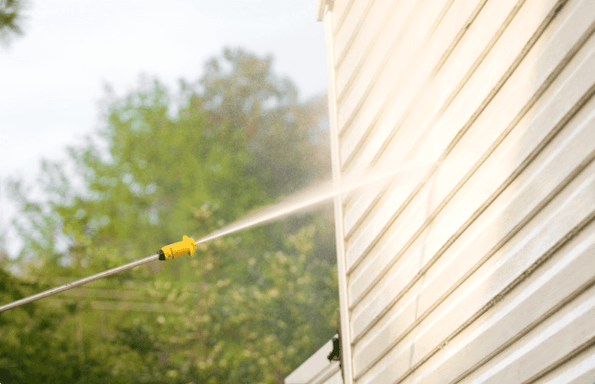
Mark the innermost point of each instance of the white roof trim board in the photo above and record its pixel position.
(316, 369)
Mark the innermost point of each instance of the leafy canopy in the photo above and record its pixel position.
(247, 308)
(11, 19)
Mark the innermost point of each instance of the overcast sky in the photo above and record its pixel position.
(52, 77)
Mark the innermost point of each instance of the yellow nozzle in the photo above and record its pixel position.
(187, 245)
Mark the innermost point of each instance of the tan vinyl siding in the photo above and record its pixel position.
(340, 10)
(405, 31)
(580, 368)
(401, 49)
(479, 265)
(439, 133)
(351, 27)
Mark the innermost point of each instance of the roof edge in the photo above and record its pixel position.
(320, 7)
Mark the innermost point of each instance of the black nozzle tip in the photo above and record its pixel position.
(161, 254)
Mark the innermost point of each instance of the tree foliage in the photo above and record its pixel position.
(283, 135)
(247, 308)
(11, 19)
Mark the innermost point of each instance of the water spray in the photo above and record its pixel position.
(291, 205)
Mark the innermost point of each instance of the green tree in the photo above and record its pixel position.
(11, 19)
(284, 136)
(246, 308)
(36, 343)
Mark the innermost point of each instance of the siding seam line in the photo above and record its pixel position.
(514, 174)
(446, 105)
(354, 34)
(534, 38)
(490, 253)
(497, 298)
(348, 123)
(577, 351)
(342, 20)
(380, 114)
(369, 48)
(393, 93)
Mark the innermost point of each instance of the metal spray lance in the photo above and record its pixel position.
(169, 252)
(188, 244)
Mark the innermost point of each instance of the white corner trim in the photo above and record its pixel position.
(339, 232)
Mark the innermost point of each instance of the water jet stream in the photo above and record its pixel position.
(308, 198)
(298, 202)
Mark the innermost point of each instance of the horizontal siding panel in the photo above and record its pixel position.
(427, 99)
(451, 73)
(516, 201)
(405, 35)
(514, 151)
(568, 150)
(425, 120)
(548, 63)
(349, 31)
(544, 346)
(478, 265)
(407, 222)
(407, 182)
(340, 9)
(581, 370)
(419, 71)
(543, 292)
(575, 204)
(374, 26)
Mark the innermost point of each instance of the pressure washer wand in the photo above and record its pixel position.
(187, 245)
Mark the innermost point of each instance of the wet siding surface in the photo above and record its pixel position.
(480, 268)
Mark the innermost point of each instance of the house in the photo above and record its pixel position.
(477, 264)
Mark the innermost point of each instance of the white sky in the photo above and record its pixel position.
(51, 78)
